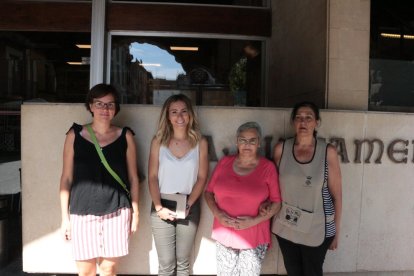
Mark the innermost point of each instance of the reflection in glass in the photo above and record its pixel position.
(34, 68)
(391, 86)
(147, 70)
(155, 60)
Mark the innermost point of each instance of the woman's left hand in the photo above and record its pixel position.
(244, 222)
(134, 223)
(334, 243)
(187, 211)
(265, 208)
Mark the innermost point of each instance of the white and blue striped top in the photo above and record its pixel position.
(328, 206)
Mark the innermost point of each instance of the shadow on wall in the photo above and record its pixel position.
(42, 153)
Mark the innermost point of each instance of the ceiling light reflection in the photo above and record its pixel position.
(181, 48)
(389, 35)
(83, 46)
(151, 64)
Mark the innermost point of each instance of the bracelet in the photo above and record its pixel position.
(159, 210)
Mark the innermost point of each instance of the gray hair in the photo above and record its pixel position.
(250, 125)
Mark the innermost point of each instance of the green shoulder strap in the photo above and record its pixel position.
(103, 159)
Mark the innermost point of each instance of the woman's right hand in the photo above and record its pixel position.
(226, 220)
(223, 218)
(166, 214)
(66, 230)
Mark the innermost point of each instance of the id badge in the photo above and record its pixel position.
(295, 218)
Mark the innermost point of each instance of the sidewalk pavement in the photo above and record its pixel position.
(15, 269)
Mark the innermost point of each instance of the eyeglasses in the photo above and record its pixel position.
(244, 141)
(307, 118)
(102, 105)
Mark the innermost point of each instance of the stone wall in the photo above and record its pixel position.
(378, 210)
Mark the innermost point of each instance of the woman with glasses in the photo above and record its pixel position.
(178, 163)
(310, 181)
(99, 212)
(238, 186)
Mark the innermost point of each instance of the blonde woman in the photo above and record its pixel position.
(178, 163)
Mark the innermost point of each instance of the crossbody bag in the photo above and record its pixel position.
(104, 162)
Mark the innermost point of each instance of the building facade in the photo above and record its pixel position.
(237, 61)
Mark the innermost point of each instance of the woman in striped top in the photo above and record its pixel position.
(310, 181)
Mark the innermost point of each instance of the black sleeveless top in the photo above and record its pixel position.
(94, 191)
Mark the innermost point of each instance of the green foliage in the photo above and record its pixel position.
(237, 76)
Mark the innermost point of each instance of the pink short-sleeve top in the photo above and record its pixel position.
(241, 195)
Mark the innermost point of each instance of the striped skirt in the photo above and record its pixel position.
(100, 236)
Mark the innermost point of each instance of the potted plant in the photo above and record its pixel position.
(237, 81)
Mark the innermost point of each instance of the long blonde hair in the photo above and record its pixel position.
(165, 130)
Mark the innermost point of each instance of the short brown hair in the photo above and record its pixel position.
(99, 91)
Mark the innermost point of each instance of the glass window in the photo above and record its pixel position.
(41, 67)
(147, 70)
(391, 56)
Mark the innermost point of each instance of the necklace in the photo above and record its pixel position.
(179, 143)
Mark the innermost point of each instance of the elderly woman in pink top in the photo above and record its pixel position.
(239, 185)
